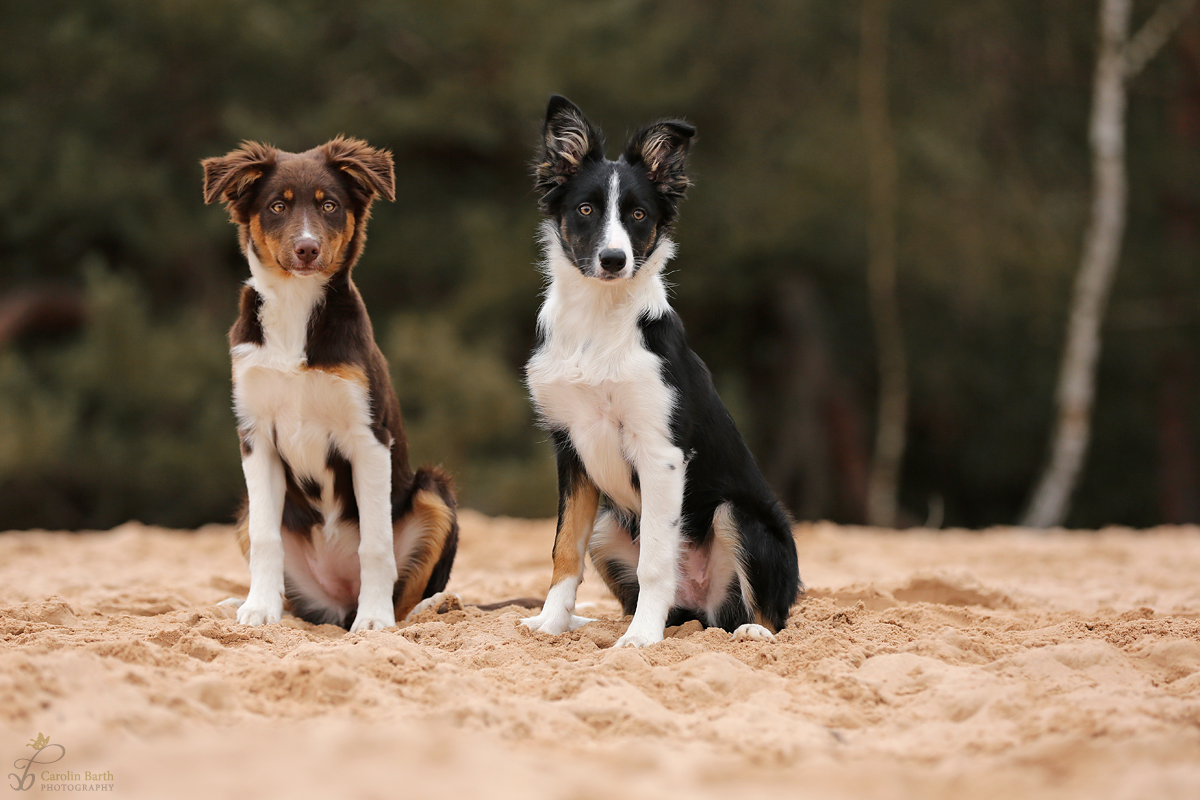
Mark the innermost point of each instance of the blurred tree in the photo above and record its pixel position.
(892, 418)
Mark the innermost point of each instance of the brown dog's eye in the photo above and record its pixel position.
(585, 209)
(329, 206)
(639, 214)
(278, 206)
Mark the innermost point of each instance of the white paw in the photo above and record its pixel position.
(232, 601)
(555, 622)
(753, 633)
(638, 639)
(436, 600)
(373, 622)
(260, 613)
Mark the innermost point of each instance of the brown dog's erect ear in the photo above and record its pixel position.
(662, 149)
(568, 140)
(227, 177)
(369, 167)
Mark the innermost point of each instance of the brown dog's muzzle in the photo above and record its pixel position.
(307, 250)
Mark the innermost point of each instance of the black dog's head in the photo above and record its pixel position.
(301, 213)
(610, 215)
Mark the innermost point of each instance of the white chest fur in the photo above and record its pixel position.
(303, 412)
(594, 377)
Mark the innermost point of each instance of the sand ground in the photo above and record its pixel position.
(920, 665)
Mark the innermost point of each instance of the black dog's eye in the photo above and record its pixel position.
(585, 209)
(639, 214)
(329, 206)
(278, 206)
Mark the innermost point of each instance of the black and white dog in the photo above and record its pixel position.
(688, 528)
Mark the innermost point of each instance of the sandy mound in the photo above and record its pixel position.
(924, 664)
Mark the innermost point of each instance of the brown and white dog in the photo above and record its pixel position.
(337, 523)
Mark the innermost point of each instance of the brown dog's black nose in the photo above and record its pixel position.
(307, 250)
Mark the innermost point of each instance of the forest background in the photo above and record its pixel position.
(117, 284)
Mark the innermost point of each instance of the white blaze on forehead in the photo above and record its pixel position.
(615, 235)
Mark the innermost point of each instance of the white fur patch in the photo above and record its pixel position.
(287, 306)
(751, 632)
(556, 616)
(615, 235)
(265, 487)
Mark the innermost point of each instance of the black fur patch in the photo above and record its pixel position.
(343, 483)
(299, 515)
(248, 328)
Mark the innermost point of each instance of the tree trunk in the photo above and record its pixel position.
(1115, 63)
(883, 483)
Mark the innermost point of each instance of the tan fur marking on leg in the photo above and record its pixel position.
(579, 518)
(435, 519)
(766, 623)
(726, 534)
(243, 536)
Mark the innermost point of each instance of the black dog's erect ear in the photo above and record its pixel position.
(228, 177)
(370, 168)
(568, 140)
(662, 149)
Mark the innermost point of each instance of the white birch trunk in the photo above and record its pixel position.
(1077, 375)
(1118, 60)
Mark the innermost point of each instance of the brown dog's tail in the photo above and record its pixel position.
(434, 480)
(430, 511)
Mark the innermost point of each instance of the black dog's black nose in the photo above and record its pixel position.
(612, 260)
(307, 249)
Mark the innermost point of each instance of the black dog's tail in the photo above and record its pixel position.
(771, 567)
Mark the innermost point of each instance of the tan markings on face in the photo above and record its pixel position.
(338, 242)
(578, 519)
(319, 194)
(430, 514)
(287, 195)
(268, 247)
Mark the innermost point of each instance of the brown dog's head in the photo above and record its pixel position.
(301, 213)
